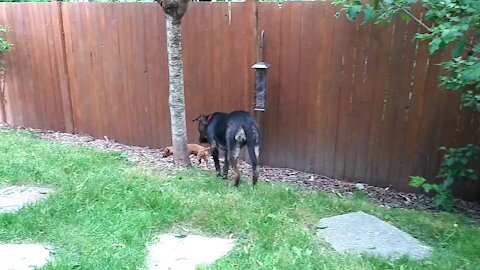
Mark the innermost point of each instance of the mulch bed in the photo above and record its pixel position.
(152, 158)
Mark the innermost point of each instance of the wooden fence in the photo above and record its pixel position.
(353, 101)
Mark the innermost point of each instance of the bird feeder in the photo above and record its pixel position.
(260, 85)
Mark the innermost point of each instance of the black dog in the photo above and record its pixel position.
(230, 132)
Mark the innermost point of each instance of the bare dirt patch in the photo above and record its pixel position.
(153, 158)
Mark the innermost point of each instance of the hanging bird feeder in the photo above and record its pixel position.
(260, 79)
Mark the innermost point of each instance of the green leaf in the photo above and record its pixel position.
(405, 17)
(416, 181)
(449, 161)
(476, 48)
(428, 187)
(368, 12)
(423, 36)
(448, 182)
(444, 200)
(375, 4)
(459, 47)
(472, 73)
(439, 199)
(434, 45)
(353, 11)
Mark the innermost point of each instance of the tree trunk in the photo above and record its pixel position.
(177, 96)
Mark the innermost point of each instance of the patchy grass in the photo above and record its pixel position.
(100, 200)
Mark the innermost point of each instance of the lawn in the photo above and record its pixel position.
(101, 200)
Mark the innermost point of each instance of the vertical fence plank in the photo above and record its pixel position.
(346, 78)
(364, 101)
(383, 36)
(416, 111)
(216, 72)
(403, 99)
(354, 139)
(269, 19)
(162, 84)
(152, 74)
(332, 68)
(391, 92)
(61, 63)
(289, 69)
(305, 29)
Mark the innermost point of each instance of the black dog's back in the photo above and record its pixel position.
(224, 125)
(242, 120)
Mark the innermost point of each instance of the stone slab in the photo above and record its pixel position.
(23, 256)
(363, 233)
(13, 198)
(186, 252)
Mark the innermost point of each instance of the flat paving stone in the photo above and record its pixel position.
(186, 252)
(23, 256)
(13, 198)
(363, 233)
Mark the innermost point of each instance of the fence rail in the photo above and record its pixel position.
(353, 101)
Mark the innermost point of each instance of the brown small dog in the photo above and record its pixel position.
(195, 149)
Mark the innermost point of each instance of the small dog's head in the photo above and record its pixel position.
(203, 152)
(168, 151)
(202, 127)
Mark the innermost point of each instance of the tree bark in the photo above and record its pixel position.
(177, 96)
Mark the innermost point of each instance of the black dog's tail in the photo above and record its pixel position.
(252, 142)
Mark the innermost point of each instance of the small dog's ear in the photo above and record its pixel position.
(201, 118)
(197, 118)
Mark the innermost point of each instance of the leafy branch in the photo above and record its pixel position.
(414, 17)
(447, 22)
(4, 46)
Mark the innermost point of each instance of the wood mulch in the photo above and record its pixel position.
(153, 158)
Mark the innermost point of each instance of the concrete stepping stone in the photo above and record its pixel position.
(23, 256)
(363, 233)
(186, 252)
(13, 198)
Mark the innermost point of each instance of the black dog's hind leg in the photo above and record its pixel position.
(215, 159)
(234, 162)
(253, 150)
(226, 165)
(232, 157)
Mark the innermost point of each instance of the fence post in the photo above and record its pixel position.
(251, 26)
(64, 74)
(257, 55)
(251, 11)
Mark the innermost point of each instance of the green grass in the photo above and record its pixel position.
(101, 200)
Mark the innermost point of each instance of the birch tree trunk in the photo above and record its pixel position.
(175, 9)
